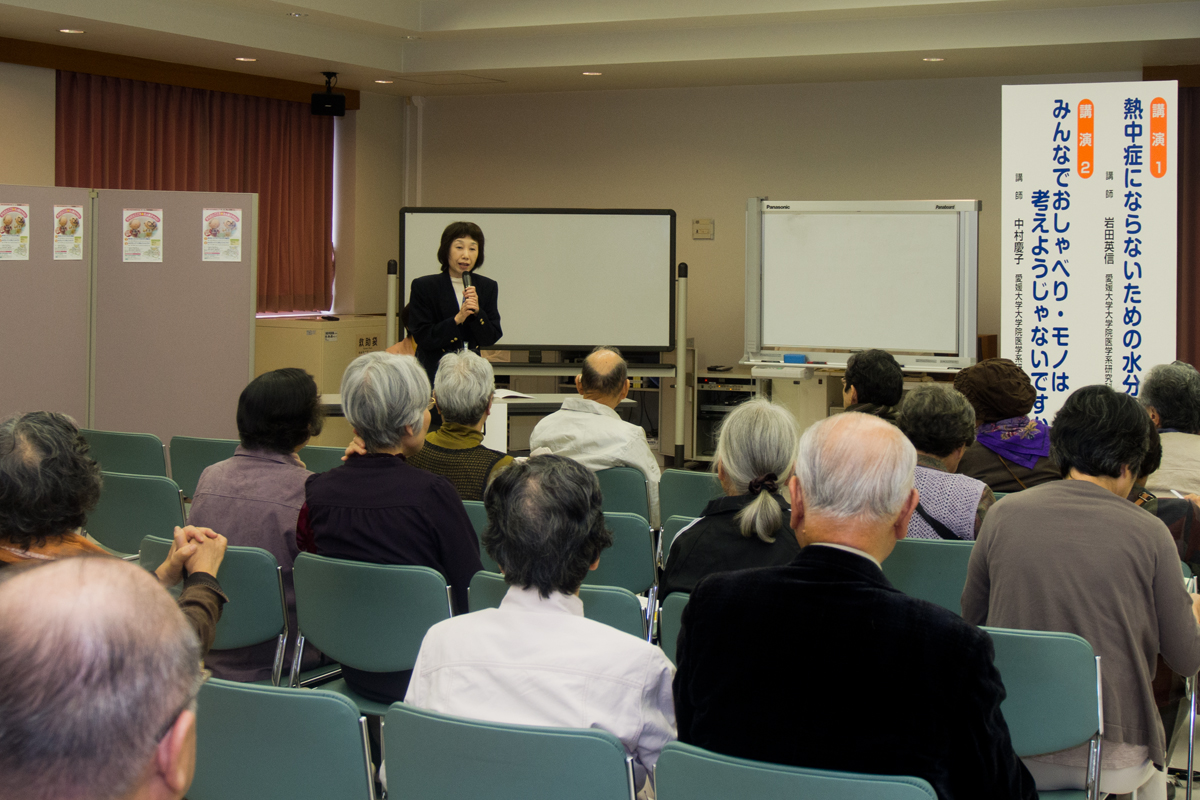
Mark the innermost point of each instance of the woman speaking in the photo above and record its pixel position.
(457, 308)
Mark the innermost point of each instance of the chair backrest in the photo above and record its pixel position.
(133, 507)
(190, 456)
(321, 459)
(625, 491)
(1052, 685)
(611, 605)
(1000, 495)
(278, 744)
(685, 772)
(930, 569)
(250, 576)
(629, 563)
(671, 527)
(684, 493)
(478, 516)
(367, 616)
(670, 620)
(130, 453)
(433, 756)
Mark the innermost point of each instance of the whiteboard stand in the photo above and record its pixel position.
(681, 280)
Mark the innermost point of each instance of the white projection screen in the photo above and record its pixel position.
(569, 278)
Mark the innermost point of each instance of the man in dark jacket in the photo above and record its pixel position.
(822, 663)
(873, 384)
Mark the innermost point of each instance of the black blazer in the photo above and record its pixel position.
(822, 663)
(431, 310)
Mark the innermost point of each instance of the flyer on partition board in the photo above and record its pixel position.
(1087, 216)
(142, 229)
(222, 234)
(68, 233)
(14, 232)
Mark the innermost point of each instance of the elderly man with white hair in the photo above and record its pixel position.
(101, 671)
(822, 663)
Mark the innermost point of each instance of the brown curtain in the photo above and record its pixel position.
(113, 133)
(1188, 298)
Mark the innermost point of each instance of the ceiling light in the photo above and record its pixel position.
(411, 38)
(296, 14)
(933, 59)
(382, 81)
(593, 73)
(243, 58)
(68, 30)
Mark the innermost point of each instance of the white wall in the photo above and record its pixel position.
(27, 125)
(703, 152)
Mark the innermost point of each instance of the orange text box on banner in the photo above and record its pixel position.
(1158, 137)
(1085, 110)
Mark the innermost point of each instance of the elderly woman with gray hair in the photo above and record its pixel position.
(379, 508)
(1171, 395)
(756, 450)
(940, 423)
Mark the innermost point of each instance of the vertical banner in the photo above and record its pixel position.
(1088, 234)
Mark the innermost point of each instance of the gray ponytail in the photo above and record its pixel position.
(757, 449)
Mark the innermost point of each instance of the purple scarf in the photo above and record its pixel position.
(1020, 439)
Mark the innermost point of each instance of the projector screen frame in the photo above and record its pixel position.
(967, 211)
(466, 213)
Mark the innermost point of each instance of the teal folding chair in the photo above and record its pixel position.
(670, 620)
(1053, 690)
(133, 507)
(684, 493)
(630, 562)
(672, 527)
(611, 605)
(321, 459)
(479, 521)
(1001, 495)
(256, 611)
(625, 491)
(271, 743)
(370, 617)
(930, 569)
(685, 772)
(130, 453)
(431, 756)
(190, 456)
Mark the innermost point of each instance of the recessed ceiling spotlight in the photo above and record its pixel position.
(68, 30)
(383, 81)
(593, 73)
(296, 14)
(933, 59)
(243, 58)
(411, 38)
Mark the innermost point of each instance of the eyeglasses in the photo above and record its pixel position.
(200, 681)
(432, 402)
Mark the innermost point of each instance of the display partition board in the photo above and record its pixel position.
(568, 278)
(829, 278)
(1088, 245)
(173, 340)
(44, 307)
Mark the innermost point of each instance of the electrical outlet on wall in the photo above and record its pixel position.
(702, 229)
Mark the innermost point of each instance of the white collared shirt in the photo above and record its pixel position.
(848, 549)
(538, 661)
(595, 436)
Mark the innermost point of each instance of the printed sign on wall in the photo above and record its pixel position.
(68, 233)
(14, 232)
(222, 234)
(1088, 234)
(142, 229)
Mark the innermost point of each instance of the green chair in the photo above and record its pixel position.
(133, 507)
(685, 772)
(930, 569)
(431, 756)
(670, 620)
(1000, 495)
(479, 521)
(611, 605)
(190, 456)
(629, 563)
(270, 743)
(1052, 685)
(625, 491)
(130, 453)
(321, 459)
(368, 616)
(672, 527)
(256, 611)
(684, 493)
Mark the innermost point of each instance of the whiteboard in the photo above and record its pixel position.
(568, 278)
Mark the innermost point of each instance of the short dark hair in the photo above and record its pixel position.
(876, 376)
(606, 384)
(1173, 390)
(48, 483)
(545, 523)
(279, 411)
(1098, 431)
(458, 230)
(937, 419)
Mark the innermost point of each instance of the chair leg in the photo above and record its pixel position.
(651, 612)
(277, 666)
(294, 678)
(366, 740)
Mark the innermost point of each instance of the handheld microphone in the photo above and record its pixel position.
(466, 280)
